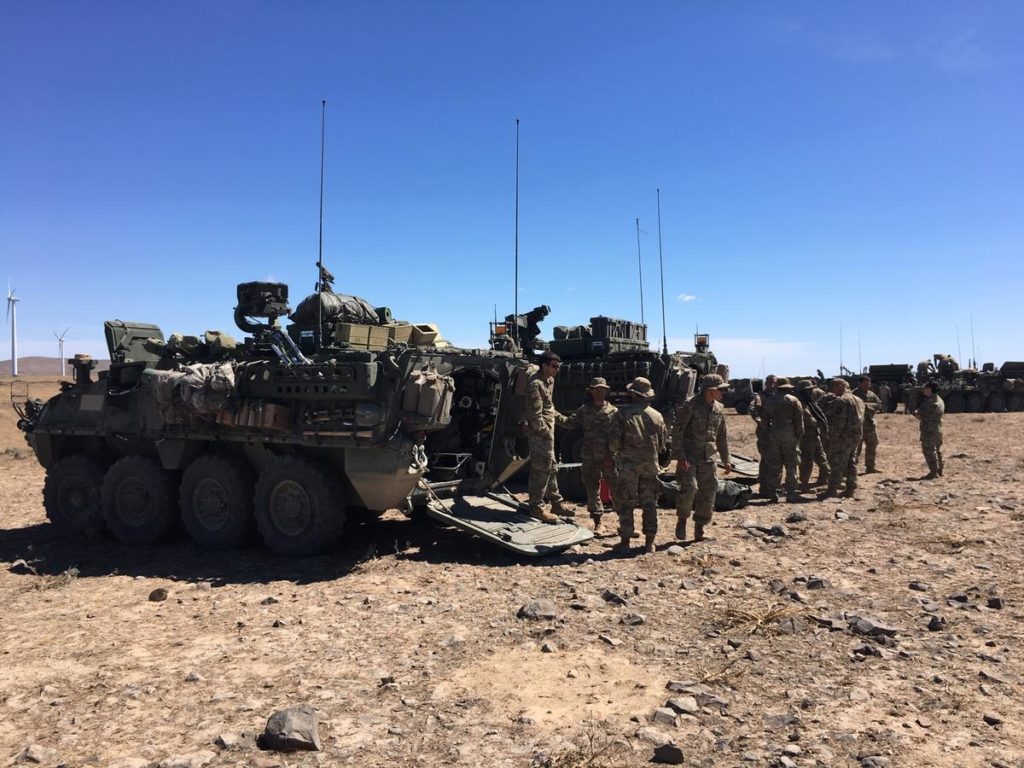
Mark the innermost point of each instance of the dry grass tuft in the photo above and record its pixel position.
(766, 620)
(598, 750)
(947, 544)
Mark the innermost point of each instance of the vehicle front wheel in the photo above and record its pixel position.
(216, 502)
(140, 500)
(71, 496)
(300, 508)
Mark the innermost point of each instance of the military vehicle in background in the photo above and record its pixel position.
(283, 433)
(741, 393)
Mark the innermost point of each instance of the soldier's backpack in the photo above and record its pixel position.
(732, 495)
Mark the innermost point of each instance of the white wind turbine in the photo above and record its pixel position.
(60, 346)
(12, 318)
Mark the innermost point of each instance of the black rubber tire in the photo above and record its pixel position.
(955, 402)
(742, 407)
(140, 500)
(72, 496)
(570, 447)
(975, 402)
(216, 502)
(1015, 402)
(300, 508)
(996, 402)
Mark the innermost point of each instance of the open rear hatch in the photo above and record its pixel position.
(503, 520)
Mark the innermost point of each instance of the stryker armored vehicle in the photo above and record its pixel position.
(284, 432)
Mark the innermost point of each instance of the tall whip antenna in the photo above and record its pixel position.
(320, 256)
(515, 325)
(974, 354)
(640, 267)
(661, 266)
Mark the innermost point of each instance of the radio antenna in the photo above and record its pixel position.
(974, 355)
(320, 257)
(661, 267)
(640, 268)
(515, 324)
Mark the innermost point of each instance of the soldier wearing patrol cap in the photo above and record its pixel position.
(698, 433)
(638, 436)
(785, 417)
(844, 434)
(595, 418)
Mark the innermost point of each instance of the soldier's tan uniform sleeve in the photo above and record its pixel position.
(662, 435)
(535, 406)
(683, 415)
(615, 436)
(722, 443)
(798, 418)
(574, 419)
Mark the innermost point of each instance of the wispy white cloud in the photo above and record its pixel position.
(686, 298)
(963, 54)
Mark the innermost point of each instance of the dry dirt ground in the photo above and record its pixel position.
(407, 643)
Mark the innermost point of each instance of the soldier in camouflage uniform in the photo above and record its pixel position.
(697, 433)
(885, 396)
(812, 449)
(872, 405)
(844, 430)
(541, 419)
(595, 418)
(761, 431)
(785, 417)
(930, 411)
(638, 436)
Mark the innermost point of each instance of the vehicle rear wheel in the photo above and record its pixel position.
(954, 402)
(216, 502)
(975, 402)
(71, 496)
(300, 507)
(996, 402)
(742, 407)
(140, 500)
(1015, 402)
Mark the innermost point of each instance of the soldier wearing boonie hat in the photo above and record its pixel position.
(595, 454)
(785, 418)
(698, 433)
(845, 429)
(638, 436)
(812, 448)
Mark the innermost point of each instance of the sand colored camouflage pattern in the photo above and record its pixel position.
(869, 443)
(596, 454)
(541, 418)
(638, 436)
(930, 411)
(844, 434)
(697, 434)
(812, 449)
(785, 419)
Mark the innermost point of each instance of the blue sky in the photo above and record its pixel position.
(824, 168)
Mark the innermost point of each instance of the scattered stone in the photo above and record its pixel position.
(994, 677)
(874, 761)
(609, 639)
(669, 754)
(918, 586)
(129, 762)
(936, 623)
(680, 686)
(292, 729)
(538, 610)
(865, 625)
(995, 603)
(792, 750)
(796, 517)
(923, 721)
(840, 515)
(960, 597)
(22, 568)
(675, 549)
(194, 677)
(816, 582)
(525, 720)
(633, 619)
(615, 599)
(278, 623)
(775, 722)
(652, 735)
(37, 753)
(572, 673)
(261, 761)
(548, 647)
(158, 595)
(991, 718)
(791, 625)
(665, 716)
(787, 762)
(866, 649)
(689, 584)
(685, 705)
(269, 601)
(859, 694)
(191, 760)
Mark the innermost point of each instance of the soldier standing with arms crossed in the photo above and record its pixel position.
(541, 419)
(638, 436)
(872, 405)
(698, 432)
(597, 458)
(930, 413)
(844, 434)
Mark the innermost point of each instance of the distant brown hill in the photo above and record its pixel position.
(43, 366)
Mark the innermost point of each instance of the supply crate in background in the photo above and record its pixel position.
(602, 327)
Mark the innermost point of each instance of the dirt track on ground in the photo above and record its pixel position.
(407, 642)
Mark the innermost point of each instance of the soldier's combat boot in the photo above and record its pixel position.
(597, 524)
(849, 493)
(649, 547)
(793, 498)
(698, 532)
(773, 496)
(562, 509)
(538, 513)
(830, 493)
(871, 471)
(622, 546)
(681, 530)
(931, 475)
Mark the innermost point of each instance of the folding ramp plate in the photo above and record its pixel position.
(503, 520)
(742, 467)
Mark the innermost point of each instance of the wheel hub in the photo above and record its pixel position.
(290, 508)
(210, 503)
(134, 502)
